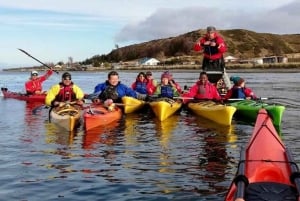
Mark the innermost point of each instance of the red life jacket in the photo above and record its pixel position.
(66, 93)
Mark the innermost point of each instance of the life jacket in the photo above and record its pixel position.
(66, 93)
(141, 87)
(110, 92)
(238, 93)
(166, 91)
(211, 50)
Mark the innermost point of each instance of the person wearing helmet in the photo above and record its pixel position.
(65, 91)
(34, 84)
(213, 47)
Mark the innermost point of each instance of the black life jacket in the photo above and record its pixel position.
(110, 92)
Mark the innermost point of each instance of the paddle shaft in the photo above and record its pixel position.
(37, 60)
(294, 169)
(240, 192)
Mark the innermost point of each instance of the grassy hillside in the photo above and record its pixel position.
(241, 43)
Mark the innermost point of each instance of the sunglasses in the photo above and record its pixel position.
(67, 78)
(34, 74)
(149, 75)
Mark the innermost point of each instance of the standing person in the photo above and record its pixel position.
(34, 84)
(152, 83)
(64, 91)
(239, 90)
(213, 47)
(166, 89)
(112, 89)
(202, 89)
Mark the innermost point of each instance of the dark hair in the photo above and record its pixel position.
(202, 73)
(112, 73)
(141, 73)
(66, 74)
(148, 73)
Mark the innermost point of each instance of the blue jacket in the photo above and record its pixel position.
(121, 89)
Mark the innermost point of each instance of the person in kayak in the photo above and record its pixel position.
(178, 87)
(65, 91)
(152, 83)
(34, 84)
(166, 89)
(112, 89)
(142, 86)
(239, 90)
(202, 90)
(213, 47)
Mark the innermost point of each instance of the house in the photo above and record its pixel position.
(148, 61)
(230, 59)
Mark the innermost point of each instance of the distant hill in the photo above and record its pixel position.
(241, 43)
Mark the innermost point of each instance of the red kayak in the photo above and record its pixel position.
(22, 96)
(266, 170)
(98, 115)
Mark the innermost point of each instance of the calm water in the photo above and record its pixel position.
(139, 158)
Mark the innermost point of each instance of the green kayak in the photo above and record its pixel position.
(247, 110)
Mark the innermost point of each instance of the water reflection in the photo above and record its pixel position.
(57, 135)
(100, 135)
(214, 160)
(164, 133)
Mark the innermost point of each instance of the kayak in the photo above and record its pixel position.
(164, 107)
(219, 113)
(267, 170)
(67, 117)
(132, 104)
(22, 96)
(98, 115)
(247, 110)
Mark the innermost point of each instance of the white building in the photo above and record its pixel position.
(149, 61)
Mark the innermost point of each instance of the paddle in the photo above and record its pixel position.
(295, 176)
(241, 181)
(257, 99)
(37, 60)
(38, 108)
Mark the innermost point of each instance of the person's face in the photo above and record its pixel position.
(34, 76)
(211, 34)
(203, 79)
(165, 81)
(113, 80)
(149, 76)
(67, 80)
(141, 77)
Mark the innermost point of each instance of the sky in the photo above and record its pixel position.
(55, 30)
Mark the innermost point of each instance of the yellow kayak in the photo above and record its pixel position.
(164, 108)
(132, 104)
(219, 113)
(66, 117)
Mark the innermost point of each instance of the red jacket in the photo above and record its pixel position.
(208, 91)
(211, 52)
(31, 86)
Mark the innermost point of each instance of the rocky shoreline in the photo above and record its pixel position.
(264, 68)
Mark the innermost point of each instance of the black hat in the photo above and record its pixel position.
(66, 74)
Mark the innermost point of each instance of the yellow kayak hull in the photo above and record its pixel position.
(219, 113)
(164, 109)
(132, 104)
(66, 117)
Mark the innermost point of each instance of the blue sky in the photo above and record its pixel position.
(54, 30)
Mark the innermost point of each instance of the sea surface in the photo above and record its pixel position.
(138, 158)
